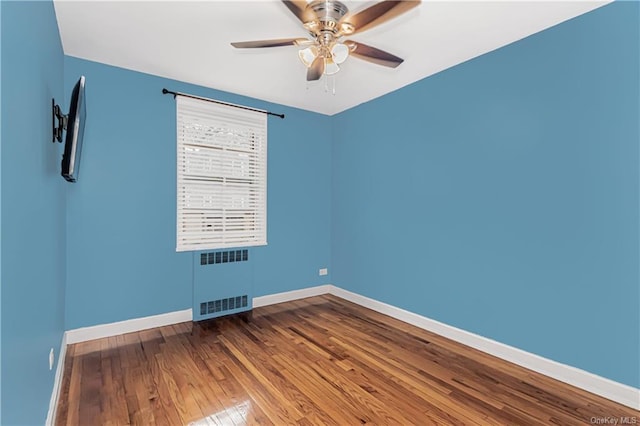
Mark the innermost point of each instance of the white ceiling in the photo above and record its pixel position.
(189, 41)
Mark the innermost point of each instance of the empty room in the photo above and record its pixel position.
(319, 212)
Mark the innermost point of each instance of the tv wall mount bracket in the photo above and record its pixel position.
(56, 113)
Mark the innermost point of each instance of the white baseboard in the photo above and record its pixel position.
(590, 382)
(129, 326)
(57, 383)
(287, 296)
(138, 324)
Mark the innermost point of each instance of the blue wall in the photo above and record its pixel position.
(501, 196)
(33, 210)
(122, 261)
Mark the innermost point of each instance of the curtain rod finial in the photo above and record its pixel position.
(165, 91)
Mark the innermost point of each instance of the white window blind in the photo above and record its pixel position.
(222, 176)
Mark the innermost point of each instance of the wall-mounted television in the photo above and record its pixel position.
(73, 123)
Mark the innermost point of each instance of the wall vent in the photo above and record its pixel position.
(221, 305)
(224, 257)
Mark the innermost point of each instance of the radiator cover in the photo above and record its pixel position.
(222, 283)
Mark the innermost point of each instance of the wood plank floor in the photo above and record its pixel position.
(316, 361)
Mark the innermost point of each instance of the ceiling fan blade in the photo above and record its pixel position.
(372, 54)
(270, 43)
(316, 69)
(299, 9)
(378, 14)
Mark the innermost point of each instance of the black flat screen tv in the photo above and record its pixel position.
(75, 133)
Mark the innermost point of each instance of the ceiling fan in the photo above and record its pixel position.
(327, 22)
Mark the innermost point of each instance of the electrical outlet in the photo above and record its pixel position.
(323, 271)
(52, 358)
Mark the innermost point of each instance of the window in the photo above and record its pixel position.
(221, 176)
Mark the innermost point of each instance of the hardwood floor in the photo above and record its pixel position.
(316, 361)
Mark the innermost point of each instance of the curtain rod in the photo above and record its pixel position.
(186, 95)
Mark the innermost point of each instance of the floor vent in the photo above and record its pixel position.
(224, 257)
(221, 305)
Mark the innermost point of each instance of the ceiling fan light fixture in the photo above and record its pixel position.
(308, 55)
(339, 53)
(330, 67)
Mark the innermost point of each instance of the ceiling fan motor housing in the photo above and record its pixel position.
(328, 11)
(326, 25)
